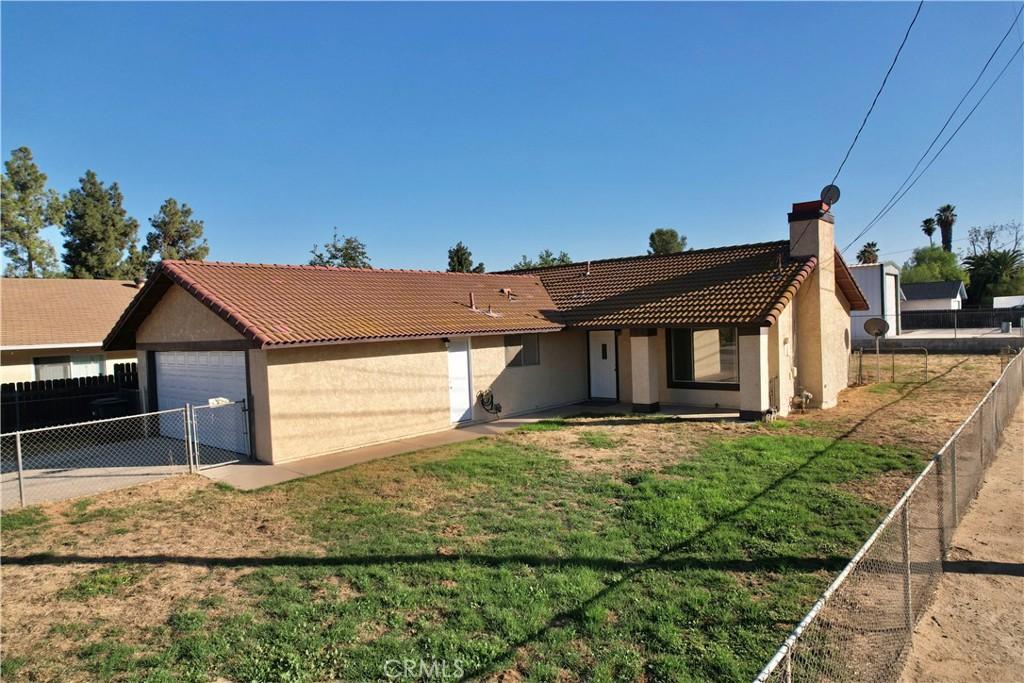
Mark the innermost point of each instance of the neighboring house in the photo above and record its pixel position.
(934, 296)
(333, 358)
(54, 328)
(880, 283)
(1008, 301)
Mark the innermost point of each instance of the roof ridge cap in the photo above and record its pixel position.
(299, 266)
(659, 256)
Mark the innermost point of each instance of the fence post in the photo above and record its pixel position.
(894, 367)
(956, 497)
(940, 476)
(995, 424)
(788, 671)
(188, 440)
(195, 436)
(21, 474)
(982, 428)
(908, 605)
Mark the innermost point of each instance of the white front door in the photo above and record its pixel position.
(602, 365)
(460, 391)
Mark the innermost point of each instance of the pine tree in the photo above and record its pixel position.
(26, 207)
(175, 234)
(665, 241)
(99, 234)
(460, 260)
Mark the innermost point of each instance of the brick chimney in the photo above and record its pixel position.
(820, 319)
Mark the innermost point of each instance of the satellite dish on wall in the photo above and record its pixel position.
(830, 194)
(876, 327)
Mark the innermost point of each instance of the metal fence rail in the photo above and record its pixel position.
(860, 628)
(80, 459)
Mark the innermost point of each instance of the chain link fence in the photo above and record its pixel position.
(907, 364)
(860, 628)
(69, 461)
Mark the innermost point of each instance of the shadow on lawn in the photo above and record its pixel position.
(662, 561)
(805, 564)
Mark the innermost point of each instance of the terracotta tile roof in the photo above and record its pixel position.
(275, 305)
(747, 284)
(60, 312)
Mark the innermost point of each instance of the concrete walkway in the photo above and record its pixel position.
(254, 475)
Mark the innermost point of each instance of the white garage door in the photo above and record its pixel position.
(195, 377)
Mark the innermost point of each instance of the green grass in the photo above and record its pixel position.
(82, 512)
(545, 425)
(103, 581)
(22, 519)
(513, 559)
(600, 439)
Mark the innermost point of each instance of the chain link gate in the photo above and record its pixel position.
(219, 433)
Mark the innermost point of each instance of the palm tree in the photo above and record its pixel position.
(946, 217)
(928, 228)
(868, 253)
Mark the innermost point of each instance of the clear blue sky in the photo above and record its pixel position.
(513, 127)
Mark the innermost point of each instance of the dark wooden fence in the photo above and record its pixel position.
(948, 320)
(29, 405)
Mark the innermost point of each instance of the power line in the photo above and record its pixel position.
(879, 93)
(941, 149)
(945, 125)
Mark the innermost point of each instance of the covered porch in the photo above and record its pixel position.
(687, 369)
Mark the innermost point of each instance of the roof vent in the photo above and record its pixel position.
(472, 301)
(588, 268)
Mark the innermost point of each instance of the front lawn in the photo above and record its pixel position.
(622, 548)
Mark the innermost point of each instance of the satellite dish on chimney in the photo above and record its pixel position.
(876, 327)
(830, 194)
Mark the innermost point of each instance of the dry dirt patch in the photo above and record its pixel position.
(179, 544)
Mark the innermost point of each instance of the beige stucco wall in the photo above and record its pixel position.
(781, 357)
(261, 425)
(644, 372)
(17, 365)
(180, 317)
(753, 349)
(324, 399)
(559, 379)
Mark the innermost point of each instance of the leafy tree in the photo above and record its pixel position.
(26, 207)
(946, 218)
(460, 260)
(928, 228)
(98, 232)
(933, 264)
(175, 234)
(996, 265)
(544, 259)
(348, 252)
(997, 272)
(868, 253)
(666, 241)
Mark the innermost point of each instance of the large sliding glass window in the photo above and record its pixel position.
(703, 359)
